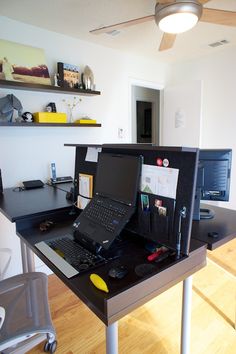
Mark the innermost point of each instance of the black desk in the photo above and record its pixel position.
(224, 223)
(16, 205)
(23, 205)
(27, 209)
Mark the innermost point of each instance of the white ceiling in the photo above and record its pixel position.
(77, 17)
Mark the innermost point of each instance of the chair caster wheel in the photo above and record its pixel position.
(50, 347)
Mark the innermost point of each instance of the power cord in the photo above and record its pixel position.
(18, 189)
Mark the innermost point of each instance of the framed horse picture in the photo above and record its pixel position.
(23, 63)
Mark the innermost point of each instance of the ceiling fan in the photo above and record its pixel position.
(170, 14)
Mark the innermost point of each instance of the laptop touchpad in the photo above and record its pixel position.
(91, 228)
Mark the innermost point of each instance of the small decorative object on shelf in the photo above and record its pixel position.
(27, 117)
(85, 120)
(70, 105)
(51, 107)
(88, 78)
(68, 75)
(7, 106)
(56, 80)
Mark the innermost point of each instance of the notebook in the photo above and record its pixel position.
(102, 220)
(114, 202)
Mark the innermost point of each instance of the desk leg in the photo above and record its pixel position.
(112, 338)
(186, 315)
(27, 258)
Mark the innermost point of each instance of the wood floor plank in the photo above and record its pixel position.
(225, 256)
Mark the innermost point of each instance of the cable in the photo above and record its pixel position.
(81, 195)
(56, 186)
(18, 189)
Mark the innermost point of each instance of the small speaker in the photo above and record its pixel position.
(1, 187)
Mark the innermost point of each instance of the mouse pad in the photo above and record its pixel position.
(144, 269)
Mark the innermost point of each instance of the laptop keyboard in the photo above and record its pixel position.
(105, 213)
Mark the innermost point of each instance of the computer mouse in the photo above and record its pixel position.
(118, 272)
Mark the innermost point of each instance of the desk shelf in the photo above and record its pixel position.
(17, 85)
(38, 125)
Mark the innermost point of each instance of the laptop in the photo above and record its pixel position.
(114, 202)
(98, 225)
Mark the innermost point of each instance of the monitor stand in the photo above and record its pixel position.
(201, 213)
(206, 214)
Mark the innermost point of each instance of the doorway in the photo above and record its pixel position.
(145, 111)
(144, 121)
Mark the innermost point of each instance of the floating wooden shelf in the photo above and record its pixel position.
(17, 85)
(37, 125)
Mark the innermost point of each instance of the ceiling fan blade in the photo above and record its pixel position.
(120, 25)
(219, 17)
(167, 41)
(203, 2)
(163, 2)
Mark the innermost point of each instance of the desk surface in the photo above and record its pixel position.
(224, 224)
(17, 205)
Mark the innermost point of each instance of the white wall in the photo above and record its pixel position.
(218, 75)
(182, 114)
(26, 153)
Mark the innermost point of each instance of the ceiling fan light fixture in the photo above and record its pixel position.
(178, 23)
(179, 16)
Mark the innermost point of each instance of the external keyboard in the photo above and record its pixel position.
(68, 256)
(105, 213)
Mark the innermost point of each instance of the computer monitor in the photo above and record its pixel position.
(213, 179)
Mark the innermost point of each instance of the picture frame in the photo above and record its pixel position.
(22, 63)
(68, 75)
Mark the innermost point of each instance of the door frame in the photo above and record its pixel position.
(149, 85)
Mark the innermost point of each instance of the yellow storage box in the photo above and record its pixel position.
(49, 117)
(86, 121)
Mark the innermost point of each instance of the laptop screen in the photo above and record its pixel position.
(118, 176)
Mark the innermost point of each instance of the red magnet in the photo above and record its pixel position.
(159, 161)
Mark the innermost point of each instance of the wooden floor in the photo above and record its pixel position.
(155, 327)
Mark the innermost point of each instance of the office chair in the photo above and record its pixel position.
(5, 259)
(25, 318)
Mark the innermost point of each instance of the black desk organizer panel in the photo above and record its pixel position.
(148, 223)
(153, 226)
